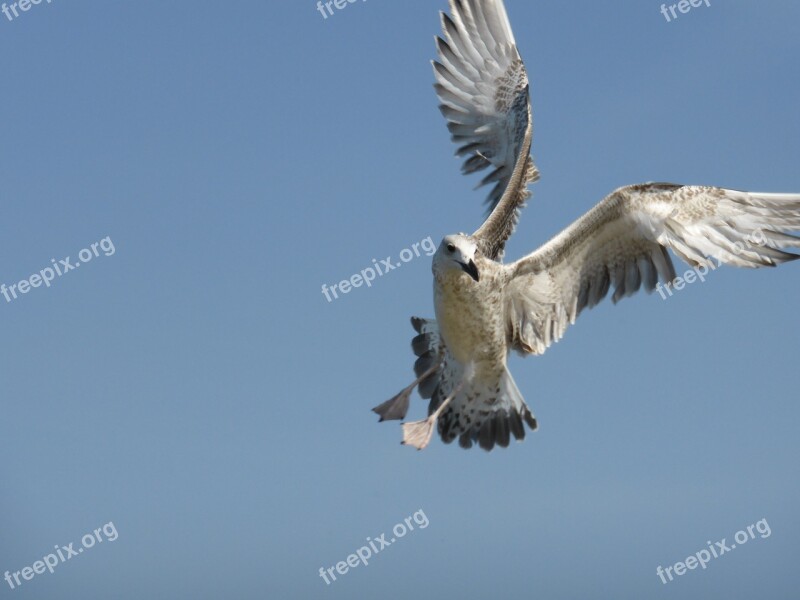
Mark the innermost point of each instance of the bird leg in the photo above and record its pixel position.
(396, 407)
(418, 433)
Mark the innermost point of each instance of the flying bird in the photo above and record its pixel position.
(485, 308)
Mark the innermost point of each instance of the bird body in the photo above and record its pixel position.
(469, 312)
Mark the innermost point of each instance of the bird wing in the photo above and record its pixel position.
(622, 243)
(482, 85)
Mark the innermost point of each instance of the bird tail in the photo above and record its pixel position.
(486, 414)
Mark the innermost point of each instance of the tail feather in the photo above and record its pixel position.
(487, 415)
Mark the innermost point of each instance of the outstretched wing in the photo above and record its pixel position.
(622, 243)
(483, 89)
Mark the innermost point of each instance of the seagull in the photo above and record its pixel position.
(485, 308)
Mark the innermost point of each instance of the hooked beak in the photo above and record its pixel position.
(470, 269)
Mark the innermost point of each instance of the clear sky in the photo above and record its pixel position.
(196, 389)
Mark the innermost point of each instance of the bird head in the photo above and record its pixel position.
(456, 253)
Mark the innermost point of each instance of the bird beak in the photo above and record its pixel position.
(470, 269)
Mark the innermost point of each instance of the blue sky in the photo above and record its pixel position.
(196, 389)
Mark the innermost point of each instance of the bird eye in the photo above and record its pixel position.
(451, 248)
